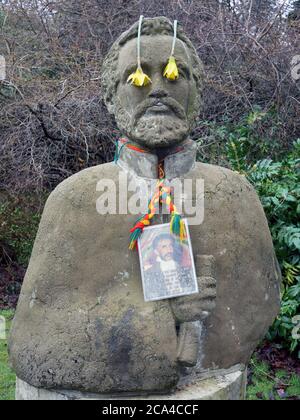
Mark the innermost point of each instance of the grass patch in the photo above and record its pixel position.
(267, 384)
(7, 376)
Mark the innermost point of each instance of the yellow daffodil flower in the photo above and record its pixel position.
(139, 78)
(171, 70)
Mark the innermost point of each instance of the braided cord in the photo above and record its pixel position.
(162, 195)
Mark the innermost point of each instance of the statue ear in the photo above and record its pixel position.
(108, 86)
(108, 100)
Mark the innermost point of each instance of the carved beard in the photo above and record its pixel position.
(159, 131)
(155, 130)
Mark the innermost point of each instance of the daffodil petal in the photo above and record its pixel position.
(171, 70)
(147, 80)
(139, 78)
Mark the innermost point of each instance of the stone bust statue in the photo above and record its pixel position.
(82, 323)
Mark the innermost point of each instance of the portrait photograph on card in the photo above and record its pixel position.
(167, 265)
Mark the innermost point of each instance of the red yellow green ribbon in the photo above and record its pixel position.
(162, 195)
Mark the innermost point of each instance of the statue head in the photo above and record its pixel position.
(162, 113)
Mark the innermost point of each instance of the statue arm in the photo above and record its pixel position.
(198, 306)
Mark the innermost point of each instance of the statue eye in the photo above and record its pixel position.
(174, 70)
(171, 70)
(139, 78)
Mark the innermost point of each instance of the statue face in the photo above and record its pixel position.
(156, 115)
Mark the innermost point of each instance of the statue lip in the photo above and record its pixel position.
(158, 106)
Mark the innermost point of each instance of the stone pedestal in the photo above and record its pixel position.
(226, 385)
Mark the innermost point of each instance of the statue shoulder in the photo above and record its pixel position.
(82, 185)
(213, 174)
(71, 208)
(230, 192)
(219, 179)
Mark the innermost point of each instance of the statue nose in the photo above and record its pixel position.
(158, 93)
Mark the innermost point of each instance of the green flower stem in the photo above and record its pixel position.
(139, 42)
(174, 37)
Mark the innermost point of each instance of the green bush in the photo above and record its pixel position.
(240, 145)
(19, 220)
(286, 322)
(277, 182)
(278, 185)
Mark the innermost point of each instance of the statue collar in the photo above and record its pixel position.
(143, 163)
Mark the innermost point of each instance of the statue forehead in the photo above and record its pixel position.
(154, 49)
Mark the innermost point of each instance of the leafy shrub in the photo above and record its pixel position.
(277, 183)
(19, 220)
(240, 144)
(287, 321)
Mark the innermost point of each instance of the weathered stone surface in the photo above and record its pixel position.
(224, 386)
(82, 323)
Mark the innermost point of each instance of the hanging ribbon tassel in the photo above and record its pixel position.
(162, 196)
(177, 225)
(144, 221)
